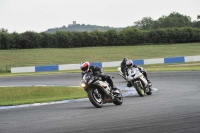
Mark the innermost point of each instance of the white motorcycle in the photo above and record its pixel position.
(140, 83)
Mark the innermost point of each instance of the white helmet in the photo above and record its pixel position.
(129, 63)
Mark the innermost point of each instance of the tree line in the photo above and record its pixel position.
(127, 36)
(81, 27)
(174, 28)
(173, 20)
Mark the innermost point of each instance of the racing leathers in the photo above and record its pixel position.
(123, 66)
(97, 71)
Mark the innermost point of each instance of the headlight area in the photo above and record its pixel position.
(83, 85)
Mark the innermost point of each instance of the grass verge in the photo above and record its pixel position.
(10, 96)
(52, 56)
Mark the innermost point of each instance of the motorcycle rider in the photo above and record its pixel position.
(123, 66)
(97, 71)
(130, 65)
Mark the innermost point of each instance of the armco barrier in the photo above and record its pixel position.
(174, 60)
(138, 62)
(46, 68)
(166, 60)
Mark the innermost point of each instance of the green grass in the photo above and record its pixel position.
(51, 56)
(33, 57)
(26, 95)
(191, 66)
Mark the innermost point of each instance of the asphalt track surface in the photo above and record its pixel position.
(174, 108)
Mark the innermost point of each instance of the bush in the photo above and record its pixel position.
(127, 36)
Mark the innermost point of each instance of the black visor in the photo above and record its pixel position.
(129, 65)
(84, 68)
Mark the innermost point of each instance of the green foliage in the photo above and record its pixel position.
(6, 40)
(127, 36)
(48, 40)
(173, 20)
(196, 24)
(145, 24)
(174, 35)
(29, 40)
(134, 36)
(63, 39)
(81, 28)
(112, 36)
(3, 30)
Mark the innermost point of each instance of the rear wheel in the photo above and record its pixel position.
(119, 99)
(95, 98)
(139, 88)
(149, 92)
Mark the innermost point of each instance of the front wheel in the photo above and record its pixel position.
(139, 88)
(95, 98)
(118, 99)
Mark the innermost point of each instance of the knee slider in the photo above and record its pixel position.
(129, 84)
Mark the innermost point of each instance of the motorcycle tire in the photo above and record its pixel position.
(95, 98)
(149, 93)
(118, 100)
(139, 89)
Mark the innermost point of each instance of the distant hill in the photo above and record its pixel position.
(81, 27)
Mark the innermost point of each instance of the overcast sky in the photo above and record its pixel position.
(40, 15)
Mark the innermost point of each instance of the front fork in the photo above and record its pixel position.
(139, 83)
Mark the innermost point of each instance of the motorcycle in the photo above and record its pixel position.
(139, 82)
(123, 75)
(99, 92)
